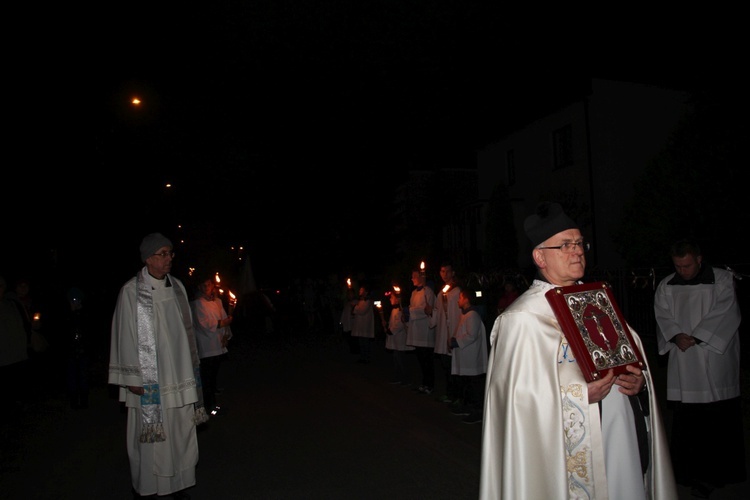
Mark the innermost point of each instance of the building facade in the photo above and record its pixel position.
(585, 155)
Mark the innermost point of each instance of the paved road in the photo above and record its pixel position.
(303, 421)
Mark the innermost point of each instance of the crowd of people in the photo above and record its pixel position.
(442, 331)
(520, 379)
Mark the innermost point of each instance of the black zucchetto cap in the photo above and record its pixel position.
(548, 220)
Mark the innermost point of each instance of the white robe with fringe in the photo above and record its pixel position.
(168, 466)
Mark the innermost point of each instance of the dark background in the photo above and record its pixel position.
(283, 126)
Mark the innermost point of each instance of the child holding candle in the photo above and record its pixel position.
(395, 341)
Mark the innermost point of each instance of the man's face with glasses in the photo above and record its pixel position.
(561, 258)
(160, 263)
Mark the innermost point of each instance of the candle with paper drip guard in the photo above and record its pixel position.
(445, 290)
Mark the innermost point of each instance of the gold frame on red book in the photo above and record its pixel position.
(595, 329)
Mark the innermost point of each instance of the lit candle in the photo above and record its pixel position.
(445, 300)
(397, 291)
(379, 307)
(35, 320)
(422, 269)
(232, 302)
(349, 283)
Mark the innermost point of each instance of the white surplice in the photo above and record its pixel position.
(167, 466)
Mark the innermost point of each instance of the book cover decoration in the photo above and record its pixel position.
(595, 329)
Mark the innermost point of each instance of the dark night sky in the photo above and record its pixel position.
(241, 96)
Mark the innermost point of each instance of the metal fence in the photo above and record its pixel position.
(635, 289)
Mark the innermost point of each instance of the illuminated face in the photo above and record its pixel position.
(207, 287)
(416, 279)
(447, 273)
(562, 268)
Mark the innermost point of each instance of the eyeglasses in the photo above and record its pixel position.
(164, 255)
(570, 246)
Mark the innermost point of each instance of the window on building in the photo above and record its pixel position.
(510, 166)
(562, 144)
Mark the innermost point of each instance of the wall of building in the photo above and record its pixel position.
(616, 131)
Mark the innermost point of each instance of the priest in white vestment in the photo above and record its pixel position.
(154, 361)
(547, 434)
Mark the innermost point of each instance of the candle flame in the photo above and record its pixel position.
(396, 289)
(349, 282)
(421, 265)
(446, 288)
(218, 280)
(231, 295)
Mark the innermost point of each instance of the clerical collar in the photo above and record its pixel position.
(705, 276)
(164, 282)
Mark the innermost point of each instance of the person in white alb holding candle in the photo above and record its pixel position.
(445, 317)
(395, 341)
(420, 334)
(212, 332)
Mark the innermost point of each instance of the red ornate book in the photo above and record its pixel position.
(595, 328)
